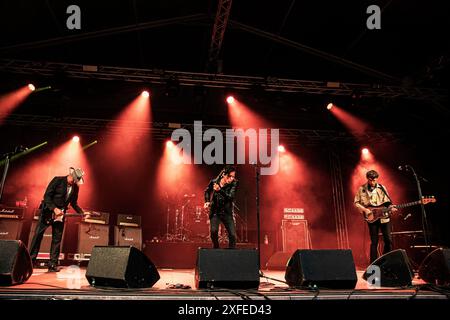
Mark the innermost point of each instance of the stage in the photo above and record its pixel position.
(179, 284)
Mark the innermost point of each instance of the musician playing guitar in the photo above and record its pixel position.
(373, 194)
(60, 192)
(219, 197)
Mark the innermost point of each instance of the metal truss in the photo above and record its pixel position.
(158, 76)
(163, 130)
(220, 24)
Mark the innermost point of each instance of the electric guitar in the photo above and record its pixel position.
(383, 211)
(49, 216)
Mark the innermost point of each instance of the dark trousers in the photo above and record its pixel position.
(228, 222)
(387, 238)
(57, 232)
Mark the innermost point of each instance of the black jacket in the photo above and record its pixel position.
(222, 200)
(55, 195)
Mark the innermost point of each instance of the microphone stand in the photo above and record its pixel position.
(258, 227)
(5, 173)
(7, 160)
(422, 206)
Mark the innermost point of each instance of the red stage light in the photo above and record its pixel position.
(365, 151)
(230, 99)
(169, 144)
(145, 94)
(31, 87)
(281, 148)
(329, 106)
(76, 139)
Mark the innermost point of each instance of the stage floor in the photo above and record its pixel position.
(179, 284)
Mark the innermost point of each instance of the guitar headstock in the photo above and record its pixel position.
(430, 199)
(92, 213)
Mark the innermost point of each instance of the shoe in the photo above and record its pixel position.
(53, 269)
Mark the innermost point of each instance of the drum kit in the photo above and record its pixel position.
(188, 221)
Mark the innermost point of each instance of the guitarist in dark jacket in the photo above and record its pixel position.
(375, 194)
(60, 192)
(219, 198)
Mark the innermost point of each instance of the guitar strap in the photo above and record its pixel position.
(385, 192)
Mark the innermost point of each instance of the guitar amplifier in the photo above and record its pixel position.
(10, 229)
(128, 220)
(12, 212)
(99, 218)
(44, 250)
(128, 236)
(295, 235)
(90, 235)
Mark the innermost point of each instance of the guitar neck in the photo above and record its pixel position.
(409, 204)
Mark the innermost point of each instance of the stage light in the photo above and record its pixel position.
(76, 139)
(169, 144)
(365, 151)
(230, 99)
(281, 148)
(329, 106)
(145, 94)
(31, 87)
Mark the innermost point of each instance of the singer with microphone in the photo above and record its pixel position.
(374, 194)
(219, 198)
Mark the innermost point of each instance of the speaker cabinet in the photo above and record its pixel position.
(435, 268)
(46, 243)
(15, 262)
(121, 267)
(278, 261)
(227, 268)
(295, 235)
(10, 229)
(90, 235)
(332, 269)
(395, 269)
(128, 236)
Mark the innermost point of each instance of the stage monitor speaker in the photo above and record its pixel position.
(15, 262)
(395, 269)
(227, 268)
(330, 269)
(120, 267)
(435, 268)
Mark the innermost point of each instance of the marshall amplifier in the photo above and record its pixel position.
(127, 220)
(44, 250)
(99, 218)
(10, 229)
(90, 235)
(293, 214)
(12, 212)
(128, 236)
